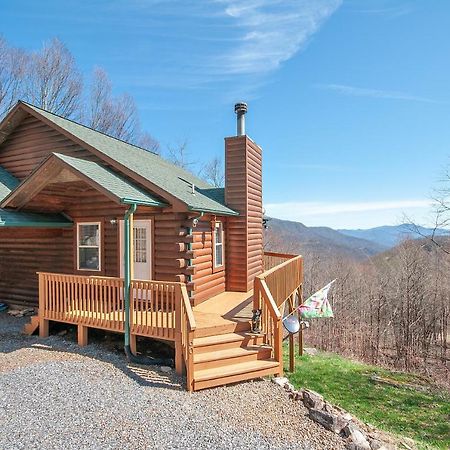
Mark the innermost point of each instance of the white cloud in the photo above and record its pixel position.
(350, 214)
(271, 31)
(374, 93)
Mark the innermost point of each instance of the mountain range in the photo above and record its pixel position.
(296, 237)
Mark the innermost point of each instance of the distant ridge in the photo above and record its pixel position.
(285, 235)
(390, 236)
(295, 237)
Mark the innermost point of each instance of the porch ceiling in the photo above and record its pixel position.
(64, 169)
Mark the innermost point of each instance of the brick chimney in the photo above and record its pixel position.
(243, 193)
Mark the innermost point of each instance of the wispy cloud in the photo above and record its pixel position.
(271, 31)
(388, 12)
(374, 93)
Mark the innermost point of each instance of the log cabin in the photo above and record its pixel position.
(98, 233)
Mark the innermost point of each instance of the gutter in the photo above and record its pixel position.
(214, 211)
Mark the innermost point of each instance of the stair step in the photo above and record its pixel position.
(31, 327)
(235, 355)
(225, 341)
(233, 373)
(222, 327)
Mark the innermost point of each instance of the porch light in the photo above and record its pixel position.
(113, 221)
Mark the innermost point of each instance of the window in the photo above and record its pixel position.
(88, 246)
(218, 245)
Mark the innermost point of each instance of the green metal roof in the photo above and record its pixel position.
(9, 218)
(169, 177)
(119, 187)
(7, 183)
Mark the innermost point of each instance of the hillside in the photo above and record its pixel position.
(298, 238)
(390, 236)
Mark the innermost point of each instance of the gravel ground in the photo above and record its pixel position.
(54, 395)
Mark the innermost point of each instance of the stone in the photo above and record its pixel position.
(310, 351)
(376, 444)
(281, 381)
(296, 395)
(289, 387)
(312, 399)
(165, 369)
(356, 440)
(329, 421)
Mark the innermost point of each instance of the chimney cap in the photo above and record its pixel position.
(240, 108)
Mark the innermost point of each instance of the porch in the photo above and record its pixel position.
(212, 341)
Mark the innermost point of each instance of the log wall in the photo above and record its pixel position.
(30, 143)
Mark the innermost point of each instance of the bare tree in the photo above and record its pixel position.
(53, 81)
(12, 73)
(147, 141)
(213, 172)
(180, 156)
(115, 116)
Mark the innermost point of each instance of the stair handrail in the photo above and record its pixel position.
(187, 327)
(271, 325)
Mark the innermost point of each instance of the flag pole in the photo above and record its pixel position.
(300, 334)
(291, 336)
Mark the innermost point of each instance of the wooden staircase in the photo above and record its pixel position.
(229, 353)
(31, 327)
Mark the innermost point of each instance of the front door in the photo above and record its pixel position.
(142, 250)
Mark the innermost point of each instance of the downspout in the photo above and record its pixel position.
(127, 290)
(127, 276)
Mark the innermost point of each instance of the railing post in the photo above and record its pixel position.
(278, 345)
(190, 361)
(178, 332)
(43, 323)
(256, 293)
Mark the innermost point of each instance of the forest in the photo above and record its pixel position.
(391, 309)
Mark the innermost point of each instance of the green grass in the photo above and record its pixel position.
(421, 415)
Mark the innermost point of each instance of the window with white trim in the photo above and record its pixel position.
(88, 246)
(218, 245)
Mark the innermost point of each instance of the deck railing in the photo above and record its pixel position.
(271, 289)
(158, 309)
(272, 259)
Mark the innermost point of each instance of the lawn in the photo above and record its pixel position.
(422, 414)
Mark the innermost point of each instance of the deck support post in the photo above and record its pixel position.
(133, 344)
(43, 327)
(82, 335)
(43, 323)
(178, 356)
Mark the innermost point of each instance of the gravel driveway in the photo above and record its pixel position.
(56, 395)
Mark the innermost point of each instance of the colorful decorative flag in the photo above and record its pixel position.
(317, 305)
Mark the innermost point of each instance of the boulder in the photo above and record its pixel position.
(376, 444)
(312, 399)
(310, 351)
(289, 387)
(296, 395)
(356, 440)
(328, 420)
(165, 369)
(281, 381)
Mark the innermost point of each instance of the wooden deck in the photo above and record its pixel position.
(213, 340)
(230, 311)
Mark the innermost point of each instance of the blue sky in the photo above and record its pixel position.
(350, 100)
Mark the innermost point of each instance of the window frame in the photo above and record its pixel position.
(99, 246)
(218, 267)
